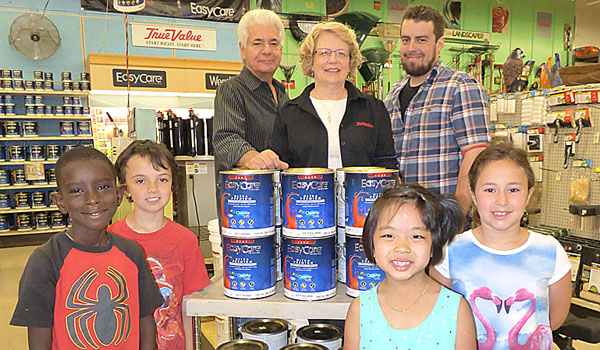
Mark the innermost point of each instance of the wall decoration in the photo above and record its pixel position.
(396, 10)
(452, 14)
(500, 20)
(208, 10)
(336, 7)
(544, 25)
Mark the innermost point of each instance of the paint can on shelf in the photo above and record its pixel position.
(66, 127)
(273, 332)
(18, 177)
(41, 221)
(52, 152)
(51, 175)
(38, 199)
(9, 100)
(76, 101)
(76, 86)
(243, 344)
(57, 220)
(249, 266)
(16, 153)
(24, 222)
(4, 225)
(48, 76)
(328, 335)
(6, 74)
(84, 76)
(40, 111)
(66, 86)
(7, 84)
(12, 128)
(85, 86)
(17, 74)
(361, 275)
(38, 85)
(77, 111)
(9, 110)
(18, 85)
(29, 100)
(49, 85)
(83, 128)
(36, 152)
(59, 111)
(68, 111)
(29, 85)
(38, 75)
(309, 271)
(30, 110)
(65, 76)
(4, 201)
(304, 346)
(39, 100)
(67, 101)
(4, 177)
(30, 129)
(308, 199)
(49, 111)
(22, 200)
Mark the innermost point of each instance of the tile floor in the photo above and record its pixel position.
(12, 262)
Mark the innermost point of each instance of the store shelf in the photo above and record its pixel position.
(27, 210)
(46, 138)
(212, 302)
(45, 92)
(42, 117)
(32, 232)
(23, 162)
(586, 303)
(25, 187)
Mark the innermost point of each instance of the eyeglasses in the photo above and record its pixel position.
(340, 53)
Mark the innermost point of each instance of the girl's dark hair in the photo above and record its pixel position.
(500, 151)
(157, 153)
(441, 215)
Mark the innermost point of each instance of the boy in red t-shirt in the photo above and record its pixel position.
(87, 288)
(148, 171)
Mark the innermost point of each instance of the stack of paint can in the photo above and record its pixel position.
(362, 187)
(308, 212)
(248, 229)
(273, 332)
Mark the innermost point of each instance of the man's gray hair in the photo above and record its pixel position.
(259, 17)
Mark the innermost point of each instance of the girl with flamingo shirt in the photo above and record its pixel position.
(405, 231)
(516, 281)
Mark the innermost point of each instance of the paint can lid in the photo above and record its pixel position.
(319, 332)
(243, 344)
(265, 326)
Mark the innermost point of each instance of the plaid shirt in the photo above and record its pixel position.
(446, 118)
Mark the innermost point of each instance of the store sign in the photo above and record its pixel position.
(174, 37)
(466, 35)
(208, 10)
(213, 80)
(140, 78)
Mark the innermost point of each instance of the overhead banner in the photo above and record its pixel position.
(173, 37)
(208, 10)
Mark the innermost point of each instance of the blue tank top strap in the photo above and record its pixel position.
(438, 331)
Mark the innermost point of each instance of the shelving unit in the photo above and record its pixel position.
(48, 134)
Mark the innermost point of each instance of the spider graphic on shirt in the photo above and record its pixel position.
(111, 323)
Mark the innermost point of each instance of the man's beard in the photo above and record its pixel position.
(418, 69)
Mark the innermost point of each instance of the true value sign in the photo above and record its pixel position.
(174, 37)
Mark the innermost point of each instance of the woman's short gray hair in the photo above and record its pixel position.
(307, 48)
(259, 17)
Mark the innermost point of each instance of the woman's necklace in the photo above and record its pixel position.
(327, 109)
(414, 302)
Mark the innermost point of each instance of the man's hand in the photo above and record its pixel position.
(266, 159)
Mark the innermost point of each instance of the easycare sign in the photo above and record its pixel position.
(140, 78)
(174, 37)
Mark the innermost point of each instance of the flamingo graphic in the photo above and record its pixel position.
(225, 220)
(487, 294)
(290, 213)
(358, 214)
(287, 277)
(541, 338)
(352, 278)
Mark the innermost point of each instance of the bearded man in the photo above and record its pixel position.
(439, 115)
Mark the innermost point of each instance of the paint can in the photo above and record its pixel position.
(51, 175)
(59, 111)
(243, 344)
(309, 267)
(38, 199)
(57, 220)
(308, 197)
(85, 86)
(278, 252)
(85, 111)
(66, 127)
(38, 85)
(328, 335)
(52, 152)
(18, 85)
(304, 346)
(39, 100)
(41, 221)
(24, 222)
(361, 275)
(30, 129)
(76, 101)
(30, 110)
(83, 127)
(9, 100)
(68, 111)
(48, 85)
(29, 100)
(272, 332)
(12, 128)
(16, 153)
(76, 86)
(65, 76)
(66, 86)
(67, 101)
(48, 76)
(17, 74)
(4, 225)
(66, 148)
(362, 187)
(277, 196)
(22, 200)
(36, 152)
(247, 203)
(38, 75)
(9, 110)
(84, 76)
(340, 200)
(49, 110)
(18, 177)
(7, 84)
(4, 201)
(28, 85)
(341, 253)
(249, 266)
(6, 74)
(4, 177)
(40, 111)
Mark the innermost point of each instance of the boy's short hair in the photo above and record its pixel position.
(80, 153)
(441, 215)
(424, 13)
(158, 154)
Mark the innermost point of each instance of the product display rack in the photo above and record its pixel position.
(49, 130)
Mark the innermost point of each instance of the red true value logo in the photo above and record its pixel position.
(172, 34)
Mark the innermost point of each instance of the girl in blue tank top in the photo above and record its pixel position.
(405, 232)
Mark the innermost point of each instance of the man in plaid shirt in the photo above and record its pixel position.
(439, 115)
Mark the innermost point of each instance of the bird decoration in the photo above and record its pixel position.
(512, 67)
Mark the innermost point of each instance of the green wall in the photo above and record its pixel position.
(476, 15)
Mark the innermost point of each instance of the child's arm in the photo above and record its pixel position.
(39, 338)
(352, 328)
(466, 337)
(560, 301)
(147, 333)
(433, 273)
